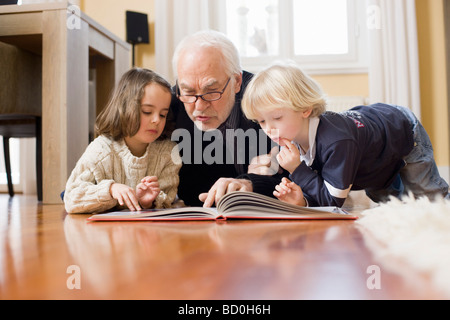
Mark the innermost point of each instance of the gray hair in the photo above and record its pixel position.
(206, 39)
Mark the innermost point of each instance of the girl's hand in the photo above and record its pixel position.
(125, 195)
(289, 157)
(289, 192)
(147, 191)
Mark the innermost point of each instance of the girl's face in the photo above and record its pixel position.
(154, 109)
(284, 123)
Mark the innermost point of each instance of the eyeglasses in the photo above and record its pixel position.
(209, 96)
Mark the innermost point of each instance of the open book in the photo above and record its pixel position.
(234, 205)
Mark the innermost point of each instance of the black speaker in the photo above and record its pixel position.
(137, 27)
(6, 2)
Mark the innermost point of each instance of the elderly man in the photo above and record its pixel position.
(215, 139)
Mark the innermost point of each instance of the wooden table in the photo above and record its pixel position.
(56, 46)
(43, 251)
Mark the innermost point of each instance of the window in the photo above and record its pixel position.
(322, 36)
(253, 26)
(330, 37)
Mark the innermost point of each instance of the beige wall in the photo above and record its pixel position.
(344, 84)
(434, 96)
(111, 14)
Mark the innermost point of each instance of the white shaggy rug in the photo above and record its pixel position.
(416, 232)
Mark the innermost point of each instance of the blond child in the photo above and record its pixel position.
(132, 163)
(381, 148)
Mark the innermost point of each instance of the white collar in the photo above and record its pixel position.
(309, 156)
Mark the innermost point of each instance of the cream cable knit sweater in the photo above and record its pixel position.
(106, 161)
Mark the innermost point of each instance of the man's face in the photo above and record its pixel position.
(202, 70)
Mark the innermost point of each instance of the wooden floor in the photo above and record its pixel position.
(45, 254)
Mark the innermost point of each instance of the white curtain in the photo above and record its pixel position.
(393, 48)
(174, 19)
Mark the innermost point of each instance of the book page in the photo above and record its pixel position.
(250, 204)
(184, 213)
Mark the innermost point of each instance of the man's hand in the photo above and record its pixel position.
(222, 187)
(265, 165)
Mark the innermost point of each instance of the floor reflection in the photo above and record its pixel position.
(267, 256)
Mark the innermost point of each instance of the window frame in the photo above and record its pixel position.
(356, 61)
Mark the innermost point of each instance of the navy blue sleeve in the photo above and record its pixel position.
(329, 187)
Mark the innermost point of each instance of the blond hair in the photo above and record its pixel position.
(122, 115)
(283, 85)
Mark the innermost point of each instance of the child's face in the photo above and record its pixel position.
(284, 123)
(154, 109)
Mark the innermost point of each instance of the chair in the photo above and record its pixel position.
(22, 126)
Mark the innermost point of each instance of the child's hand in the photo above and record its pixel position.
(147, 191)
(125, 195)
(289, 192)
(289, 157)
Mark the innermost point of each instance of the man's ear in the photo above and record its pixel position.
(238, 80)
